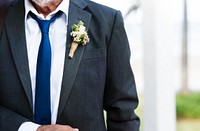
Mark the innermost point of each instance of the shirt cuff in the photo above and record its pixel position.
(28, 126)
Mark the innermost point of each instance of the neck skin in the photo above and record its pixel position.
(48, 8)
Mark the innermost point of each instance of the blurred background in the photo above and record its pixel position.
(164, 38)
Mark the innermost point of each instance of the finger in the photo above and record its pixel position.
(56, 127)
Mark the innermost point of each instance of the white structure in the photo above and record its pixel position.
(159, 93)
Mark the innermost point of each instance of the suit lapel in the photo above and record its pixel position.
(16, 36)
(76, 13)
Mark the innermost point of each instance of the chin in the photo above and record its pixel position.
(42, 2)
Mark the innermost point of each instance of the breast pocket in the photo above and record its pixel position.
(92, 70)
(94, 54)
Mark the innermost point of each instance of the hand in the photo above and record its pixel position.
(56, 128)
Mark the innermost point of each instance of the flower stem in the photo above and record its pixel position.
(73, 48)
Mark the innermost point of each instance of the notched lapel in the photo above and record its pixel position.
(17, 40)
(76, 13)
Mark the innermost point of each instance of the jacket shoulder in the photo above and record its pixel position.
(99, 8)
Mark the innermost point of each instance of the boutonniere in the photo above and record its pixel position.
(80, 37)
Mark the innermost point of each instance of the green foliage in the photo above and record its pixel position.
(188, 106)
(77, 27)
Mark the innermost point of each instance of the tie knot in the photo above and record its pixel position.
(45, 24)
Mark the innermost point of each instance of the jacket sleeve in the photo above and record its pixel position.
(120, 98)
(9, 120)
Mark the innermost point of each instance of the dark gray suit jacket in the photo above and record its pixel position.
(98, 77)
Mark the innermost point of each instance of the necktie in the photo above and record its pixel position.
(42, 113)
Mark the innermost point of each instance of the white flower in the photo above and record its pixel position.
(79, 35)
(82, 29)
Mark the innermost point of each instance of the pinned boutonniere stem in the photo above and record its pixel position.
(80, 37)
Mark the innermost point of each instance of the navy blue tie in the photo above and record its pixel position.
(43, 72)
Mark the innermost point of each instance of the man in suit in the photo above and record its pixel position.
(97, 78)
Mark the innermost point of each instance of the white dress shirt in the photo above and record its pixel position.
(57, 35)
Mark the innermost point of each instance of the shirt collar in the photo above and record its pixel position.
(64, 6)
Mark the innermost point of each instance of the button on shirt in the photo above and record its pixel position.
(57, 35)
